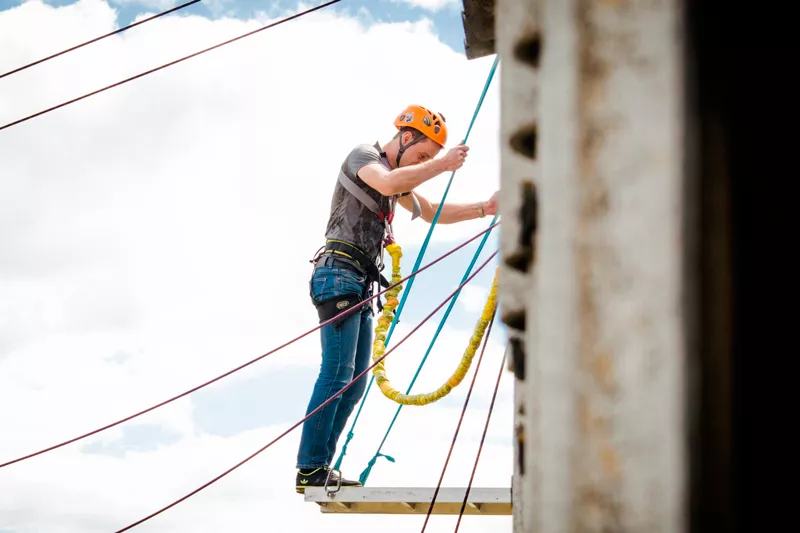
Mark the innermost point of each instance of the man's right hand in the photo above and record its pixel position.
(454, 159)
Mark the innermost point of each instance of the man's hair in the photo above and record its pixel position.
(414, 132)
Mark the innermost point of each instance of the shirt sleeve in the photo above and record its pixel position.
(360, 156)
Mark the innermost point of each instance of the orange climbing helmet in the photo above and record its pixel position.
(424, 120)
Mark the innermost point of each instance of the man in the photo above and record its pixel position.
(372, 180)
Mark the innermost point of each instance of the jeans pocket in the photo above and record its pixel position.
(331, 282)
(350, 282)
(320, 285)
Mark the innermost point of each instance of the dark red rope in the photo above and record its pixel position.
(483, 438)
(240, 367)
(321, 406)
(460, 420)
(145, 73)
(129, 26)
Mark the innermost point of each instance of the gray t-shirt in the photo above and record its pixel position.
(350, 220)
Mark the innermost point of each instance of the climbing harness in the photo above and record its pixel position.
(427, 124)
(351, 256)
(379, 346)
(342, 254)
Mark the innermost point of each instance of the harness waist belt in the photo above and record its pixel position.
(335, 261)
(347, 250)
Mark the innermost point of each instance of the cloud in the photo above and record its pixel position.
(473, 298)
(157, 5)
(159, 234)
(430, 5)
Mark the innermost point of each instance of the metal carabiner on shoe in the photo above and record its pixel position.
(329, 492)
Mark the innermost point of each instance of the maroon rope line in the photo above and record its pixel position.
(145, 73)
(312, 413)
(483, 438)
(148, 19)
(460, 421)
(240, 367)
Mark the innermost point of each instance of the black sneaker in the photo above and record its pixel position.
(317, 477)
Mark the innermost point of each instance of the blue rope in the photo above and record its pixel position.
(407, 290)
(365, 474)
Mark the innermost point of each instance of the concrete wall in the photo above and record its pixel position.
(593, 251)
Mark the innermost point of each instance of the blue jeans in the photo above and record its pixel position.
(346, 349)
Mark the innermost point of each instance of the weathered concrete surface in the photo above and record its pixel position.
(601, 407)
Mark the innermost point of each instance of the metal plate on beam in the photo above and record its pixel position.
(399, 500)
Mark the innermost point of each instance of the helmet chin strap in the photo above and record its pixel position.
(417, 138)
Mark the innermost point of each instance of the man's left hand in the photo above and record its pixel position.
(490, 207)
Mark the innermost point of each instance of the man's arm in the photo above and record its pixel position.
(404, 179)
(451, 213)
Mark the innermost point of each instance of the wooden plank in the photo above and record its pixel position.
(400, 500)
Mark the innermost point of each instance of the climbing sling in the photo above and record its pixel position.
(379, 346)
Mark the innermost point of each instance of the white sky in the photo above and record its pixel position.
(158, 234)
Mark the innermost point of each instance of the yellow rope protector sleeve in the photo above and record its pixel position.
(385, 320)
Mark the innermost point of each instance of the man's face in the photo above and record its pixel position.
(419, 152)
